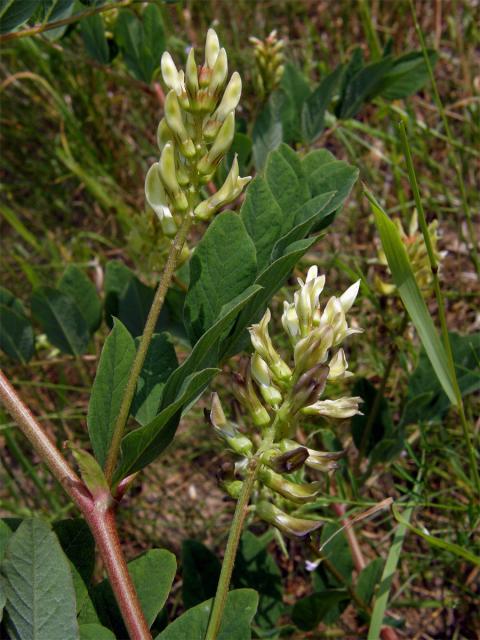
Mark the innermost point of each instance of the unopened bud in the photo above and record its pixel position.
(300, 493)
(232, 487)
(287, 462)
(261, 375)
(155, 192)
(245, 394)
(169, 178)
(170, 74)
(222, 144)
(173, 116)
(309, 387)
(228, 192)
(212, 48)
(219, 73)
(230, 98)
(191, 77)
(263, 345)
(227, 430)
(313, 349)
(290, 526)
(340, 408)
(164, 134)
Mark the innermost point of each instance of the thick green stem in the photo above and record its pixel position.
(157, 304)
(231, 551)
(440, 304)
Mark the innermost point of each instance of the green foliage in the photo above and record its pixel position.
(239, 611)
(107, 392)
(412, 298)
(79, 287)
(92, 631)
(310, 611)
(35, 568)
(384, 441)
(16, 333)
(13, 14)
(141, 41)
(426, 400)
(200, 573)
(61, 319)
(93, 34)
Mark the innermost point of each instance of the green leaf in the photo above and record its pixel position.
(315, 106)
(296, 85)
(325, 174)
(61, 319)
(206, 352)
(134, 305)
(9, 300)
(267, 134)
(269, 281)
(221, 268)
(113, 371)
(310, 611)
(426, 400)
(368, 579)
(141, 41)
(38, 584)
(256, 568)
(5, 535)
(200, 573)
(263, 219)
(361, 86)
(142, 446)
(93, 34)
(384, 441)
(14, 13)
(408, 75)
(16, 334)
(285, 185)
(78, 545)
(3, 598)
(76, 284)
(411, 296)
(160, 362)
(53, 10)
(117, 279)
(152, 575)
(91, 472)
(91, 631)
(240, 608)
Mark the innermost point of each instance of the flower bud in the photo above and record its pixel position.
(170, 74)
(227, 430)
(299, 493)
(309, 387)
(285, 462)
(231, 97)
(212, 48)
(221, 145)
(219, 73)
(232, 487)
(338, 366)
(169, 178)
(173, 116)
(290, 526)
(228, 192)
(164, 134)
(290, 322)
(262, 344)
(155, 192)
(313, 349)
(345, 407)
(168, 224)
(261, 375)
(245, 394)
(348, 298)
(191, 76)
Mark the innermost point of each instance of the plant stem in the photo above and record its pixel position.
(98, 511)
(440, 304)
(231, 551)
(157, 304)
(40, 28)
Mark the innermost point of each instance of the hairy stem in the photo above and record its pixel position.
(231, 551)
(98, 511)
(157, 304)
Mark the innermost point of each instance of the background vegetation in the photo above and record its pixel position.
(77, 137)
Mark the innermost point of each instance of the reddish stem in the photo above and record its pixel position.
(98, 511)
